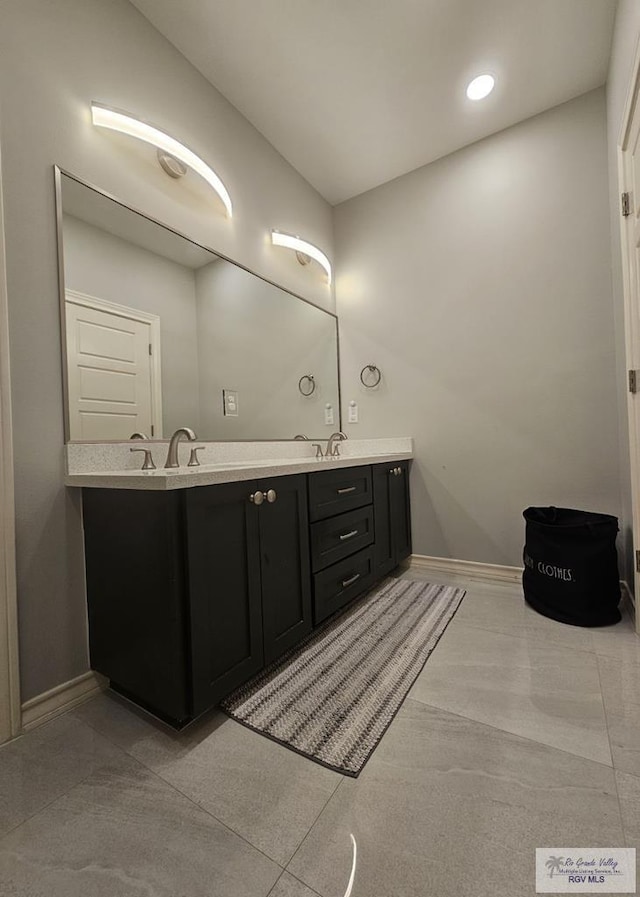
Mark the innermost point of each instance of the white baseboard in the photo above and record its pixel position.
(52, 703)
(498, 573)
(466, 569)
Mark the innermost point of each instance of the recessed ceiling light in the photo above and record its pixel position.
(480, 87)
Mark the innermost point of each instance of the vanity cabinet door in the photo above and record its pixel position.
(223, 562)
(392, 516)
(137, 600)
(383, 555)
(400, 512)
(284, 564)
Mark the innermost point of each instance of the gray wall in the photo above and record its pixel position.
(54, 59)
(623, 49)
(259, 341)
(104, 266)
(481, 286)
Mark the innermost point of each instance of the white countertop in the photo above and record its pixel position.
(87, 463)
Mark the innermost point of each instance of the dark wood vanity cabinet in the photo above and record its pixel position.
(392, 516)
(192, 591)
(248, 571)
(340, 504)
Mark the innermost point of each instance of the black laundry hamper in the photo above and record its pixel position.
(571, 566)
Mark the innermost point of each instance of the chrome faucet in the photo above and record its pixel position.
(334, 450)
(172, 454)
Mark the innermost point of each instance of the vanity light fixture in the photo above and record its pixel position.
(105, 117)
(480, 87)
(302, 249)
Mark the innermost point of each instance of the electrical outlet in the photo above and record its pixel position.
(328, 414)
(353, 412)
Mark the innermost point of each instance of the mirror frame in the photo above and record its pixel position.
(58, 172)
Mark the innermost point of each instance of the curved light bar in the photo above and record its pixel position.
(298, 245)
(105, 117)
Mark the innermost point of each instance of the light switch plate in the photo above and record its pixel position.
(353, 412)
(328, 414)
(230, 402)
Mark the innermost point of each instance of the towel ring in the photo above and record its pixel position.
(375, 377)
(310, 384)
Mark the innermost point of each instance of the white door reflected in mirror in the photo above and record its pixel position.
(113, 386)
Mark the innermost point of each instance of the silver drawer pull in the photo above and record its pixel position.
(350, 581)
(257, 498)
(348, 489)
(354, 532)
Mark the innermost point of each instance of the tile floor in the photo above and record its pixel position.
(519, 733)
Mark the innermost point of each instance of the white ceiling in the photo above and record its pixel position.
(354, 93)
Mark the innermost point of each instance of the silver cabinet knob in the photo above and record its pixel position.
(271, 496)
(392, 472)
(257, 498)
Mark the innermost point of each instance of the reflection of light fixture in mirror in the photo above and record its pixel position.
(105, 117)
(354, 862)
(303, 250)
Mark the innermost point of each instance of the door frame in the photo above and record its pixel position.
(631, 316)
(10, 711)
(133, 314)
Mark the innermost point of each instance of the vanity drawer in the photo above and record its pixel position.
(333, 491)
(341, 536)
(340, 583)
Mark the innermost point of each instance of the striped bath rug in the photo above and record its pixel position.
(333, 697)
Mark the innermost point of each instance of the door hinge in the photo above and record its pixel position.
(633, 381)
(150, 349)
(626, 206)
(637, 561)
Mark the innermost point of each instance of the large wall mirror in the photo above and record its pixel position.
(159, 332)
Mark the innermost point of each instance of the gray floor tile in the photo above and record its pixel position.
(288, 886)
(629, 793)
(450, 807)
(620, 641)
(123, 832)
(620, 681)
(42, 765)
(265, 792)
(475, 586)
(521, 685)
(508, 613)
